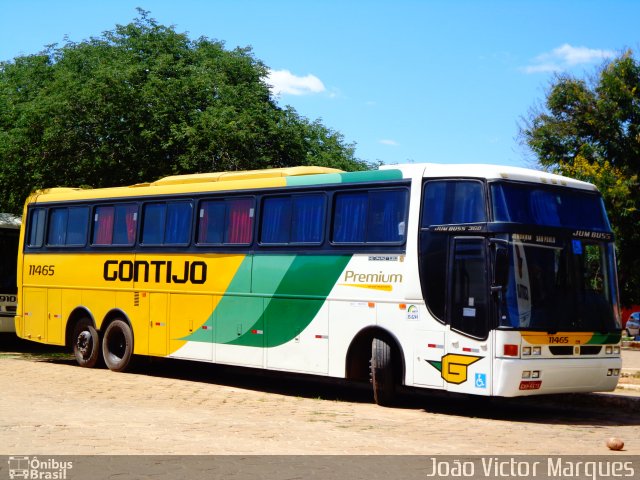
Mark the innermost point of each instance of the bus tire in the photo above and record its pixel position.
(117, 346)
(382, 373)
(86, 343)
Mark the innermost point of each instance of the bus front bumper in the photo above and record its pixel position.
(521, 377)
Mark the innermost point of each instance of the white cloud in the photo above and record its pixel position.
(565, 57)
(285, 82)
(389, 142)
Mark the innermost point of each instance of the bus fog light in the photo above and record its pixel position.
(608, 350)
(526, 374)
(616, 350)
(609, 372)
(537, 350)
(535, 374)
(526, 350)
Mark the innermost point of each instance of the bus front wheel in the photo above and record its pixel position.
(117, 346)
(382, 373)
(86, 343)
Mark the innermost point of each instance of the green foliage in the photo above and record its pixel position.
(591, 131)
(141, 102)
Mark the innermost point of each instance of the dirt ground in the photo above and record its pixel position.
(51, 406)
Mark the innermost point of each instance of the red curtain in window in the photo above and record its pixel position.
(104, 226)
(240, 221)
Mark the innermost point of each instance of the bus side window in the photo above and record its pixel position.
(370, 217)
(447, 202)
(115, 225)
(166, 223)
(68, 226)
(225, 221)
(293, 219)
(36, 228)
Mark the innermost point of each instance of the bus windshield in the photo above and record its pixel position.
(561, 281)
(569, 285)
(548, 206)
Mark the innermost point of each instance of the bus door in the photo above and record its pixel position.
(467, 364)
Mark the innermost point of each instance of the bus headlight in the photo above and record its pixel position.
(608, 350)
(537, 350)
(616, 350)
(526, 350)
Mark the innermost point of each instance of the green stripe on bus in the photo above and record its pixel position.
(348, 177)
(310, 278)
(290, 294)
(604, 338)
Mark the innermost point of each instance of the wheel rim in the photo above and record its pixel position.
(84, 344)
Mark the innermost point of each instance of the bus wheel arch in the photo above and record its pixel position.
(117, 341)
(375, 355)
(83, 338)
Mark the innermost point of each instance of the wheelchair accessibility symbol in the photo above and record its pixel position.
(481, 380)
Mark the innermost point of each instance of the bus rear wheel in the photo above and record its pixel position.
(86, 343)
(383, 376)
(117, 346)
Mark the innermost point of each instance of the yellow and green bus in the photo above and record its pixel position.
(475, 279)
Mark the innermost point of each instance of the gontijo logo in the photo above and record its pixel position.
(155, 271)
(453, 367)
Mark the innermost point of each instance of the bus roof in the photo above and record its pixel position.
(8, 220)
(489, 172)
(304, 175)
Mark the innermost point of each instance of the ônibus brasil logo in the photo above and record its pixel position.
(34, 468)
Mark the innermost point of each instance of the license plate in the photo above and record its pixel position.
(530, 384)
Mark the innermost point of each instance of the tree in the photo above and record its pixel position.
(591, 130)
(141, 102)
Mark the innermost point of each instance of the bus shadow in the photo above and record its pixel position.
(12, 345)
(573, 409)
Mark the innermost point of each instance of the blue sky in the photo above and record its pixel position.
(406, 80)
